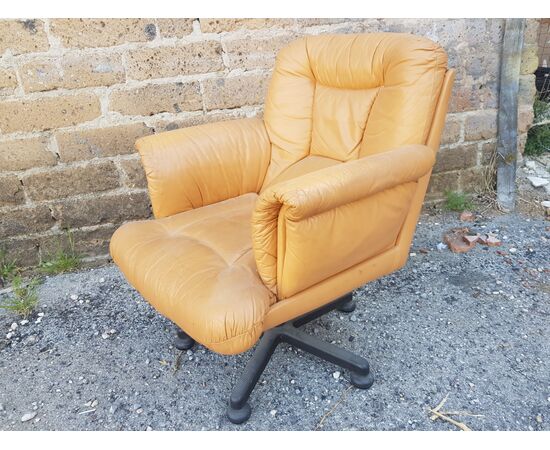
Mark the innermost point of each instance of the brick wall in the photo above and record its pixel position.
(75, 94)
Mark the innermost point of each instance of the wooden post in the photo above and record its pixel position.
(508, 113)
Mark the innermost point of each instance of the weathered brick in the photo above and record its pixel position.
(532, 31)
(102, 32)
(441, 182)
(473, 179)
(522, 140)
(25, 220)
(87, 242)
(529, 59)
(233, 92)
(23, 36)
(161, 62)
(481, 125)
(471, 95)
(255, 53)
(456, 158)
(310, 22)
(23, 250)
(93, 242)
(21, 154)
(8, 81)
(134, 173)
(197, 119)
(67, 181)
(47, 112)
(451, 132)
(115, 208)
(525, 118)
(11, 191)
(220, 25)
(157, 98)
(527, 90)
(99, 142)
(74, 71)
(170, 28)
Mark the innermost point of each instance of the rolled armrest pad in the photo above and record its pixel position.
(197, 166)
(327, 189)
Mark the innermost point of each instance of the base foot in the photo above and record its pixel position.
(238, 416)
(183, 341)
(362, 381)
(348, 306)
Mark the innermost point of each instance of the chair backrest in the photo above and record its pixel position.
(343, 97)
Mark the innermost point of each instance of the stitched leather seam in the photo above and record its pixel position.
(378, 90)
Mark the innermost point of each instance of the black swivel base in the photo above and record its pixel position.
(239, 410)
(183, 341)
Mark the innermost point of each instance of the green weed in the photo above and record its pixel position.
(457, 201)
(65, 259)
(24, 297)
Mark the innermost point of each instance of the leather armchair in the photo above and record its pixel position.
(263, 225)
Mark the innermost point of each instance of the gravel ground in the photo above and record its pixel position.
(474, 326)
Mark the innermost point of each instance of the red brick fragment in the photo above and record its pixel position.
(470, 238)
(482, 239)
(467, 216)
(492, 241)
(454, 239)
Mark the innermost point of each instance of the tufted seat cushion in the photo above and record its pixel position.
(197, 268)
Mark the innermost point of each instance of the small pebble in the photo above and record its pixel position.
(24, 322)
(31, 339)
(273, 412)
(336, 375)
(13, 326)
(74, 297)
(28, 416)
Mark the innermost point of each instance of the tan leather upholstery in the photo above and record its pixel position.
(294, 221)
(197, 166)
(197, 268)
(260, 221)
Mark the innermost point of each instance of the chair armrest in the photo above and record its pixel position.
(197, 166)
(322, 206)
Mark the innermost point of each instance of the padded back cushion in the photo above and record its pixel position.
(348, 96)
